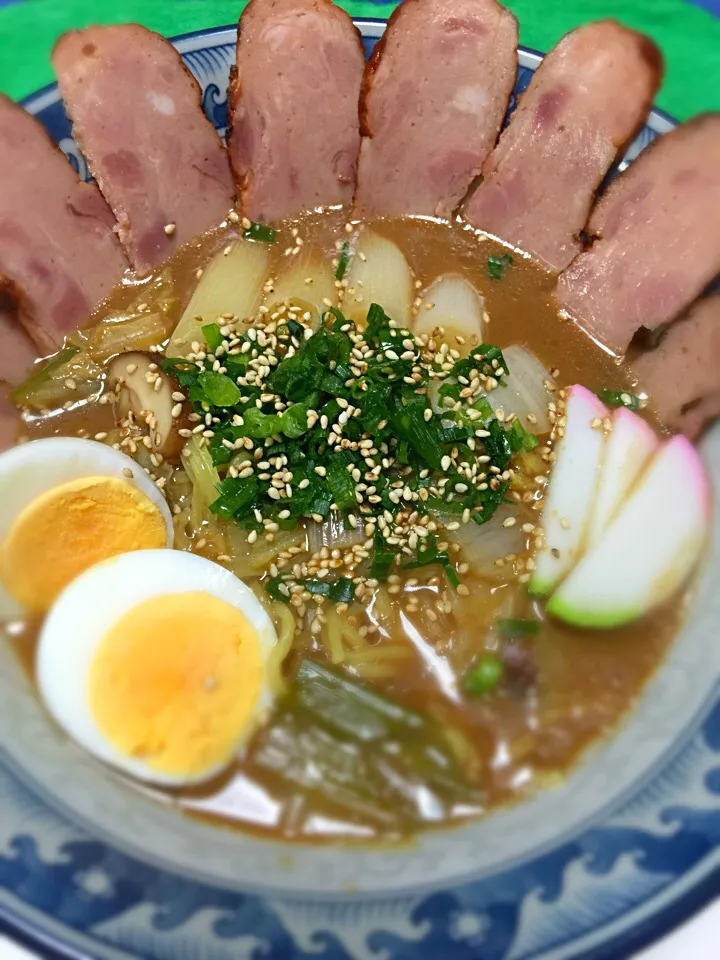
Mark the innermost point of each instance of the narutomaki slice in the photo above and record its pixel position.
(137, 115)
(657, 242)
(59, 255)
(586, 102)
(293, 107)
(682, 374)
(435, 93)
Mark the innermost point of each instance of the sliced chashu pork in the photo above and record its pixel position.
(17, 356)
(586, 101)
(293, 107)
(682, 374)
(435, 93)
(59, 255)
(18, 352)
(138, 118)
(657, 238)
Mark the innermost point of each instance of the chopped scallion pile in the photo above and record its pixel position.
(299, 423)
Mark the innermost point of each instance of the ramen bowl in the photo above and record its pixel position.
(596, 866)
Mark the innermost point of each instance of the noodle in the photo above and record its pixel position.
(351, 633)
(284, 623)
(379, 653)
(382, 608)
(285, 626)
(332, 634)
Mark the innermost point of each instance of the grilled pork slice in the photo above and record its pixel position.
(293, 107)
(434, 96)
(586, 102)
(18, 351)
(137, 115)
(682, 374)
(657, 241)
(58, 254)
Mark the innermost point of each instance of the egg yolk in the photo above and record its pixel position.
(176, 681)
(69, 528)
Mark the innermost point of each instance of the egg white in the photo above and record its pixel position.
(89, 607)
(31, 469)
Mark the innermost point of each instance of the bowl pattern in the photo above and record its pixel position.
(595, 883)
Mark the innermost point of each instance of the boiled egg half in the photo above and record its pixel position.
(66, 504)
(160, 663)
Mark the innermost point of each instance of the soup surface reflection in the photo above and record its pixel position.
(413, 637)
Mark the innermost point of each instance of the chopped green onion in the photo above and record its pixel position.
(260, 232)
(349, 707)
(485, 676)
(41, 372)
(382, 561)
(219, 390)
(620, 398)
(496, 266)
(498, 444)
(213, 337)
(341, 590)
(428, 553)
(234, 495)
(514, 629)
(272, 588)
(350, 435)
(342, 485)
(343, 261)
(521, 439)
(337, 739)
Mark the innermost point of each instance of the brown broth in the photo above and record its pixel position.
(569, 687)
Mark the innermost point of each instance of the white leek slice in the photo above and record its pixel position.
(526, 391)
(306, 281)
(486, 546)
(453, 304)
(231, 283)
(378, 273)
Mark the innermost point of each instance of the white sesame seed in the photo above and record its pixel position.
(169, 229)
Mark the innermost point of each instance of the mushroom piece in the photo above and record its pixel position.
(133, 377)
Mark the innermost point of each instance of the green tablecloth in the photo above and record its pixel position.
(687, 31)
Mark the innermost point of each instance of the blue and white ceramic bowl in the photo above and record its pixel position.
(626, 848)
